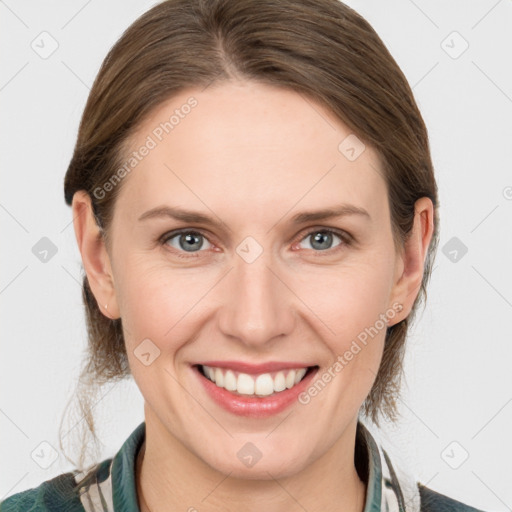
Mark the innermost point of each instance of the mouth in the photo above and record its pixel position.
(252, 394)
(255, 385)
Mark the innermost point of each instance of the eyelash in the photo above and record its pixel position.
(346, 240)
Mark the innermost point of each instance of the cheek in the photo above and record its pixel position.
(348, 299)
(350, 309)
(157, 302)
(349, 306)
(158, 312)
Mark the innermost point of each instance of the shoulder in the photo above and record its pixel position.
(432, 501)
(59, 493)
(89, 489)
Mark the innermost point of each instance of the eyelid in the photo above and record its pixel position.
(344, 235)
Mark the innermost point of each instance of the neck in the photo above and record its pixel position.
(169, 477)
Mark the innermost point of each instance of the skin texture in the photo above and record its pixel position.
(251, 156)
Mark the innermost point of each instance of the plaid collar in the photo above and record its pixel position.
(113, 484)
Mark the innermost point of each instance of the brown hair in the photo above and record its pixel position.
(319, 48)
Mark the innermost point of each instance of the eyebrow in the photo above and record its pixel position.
(300, 218)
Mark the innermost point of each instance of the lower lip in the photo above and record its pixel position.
(255, 407)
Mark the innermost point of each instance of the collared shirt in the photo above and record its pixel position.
(109, 486)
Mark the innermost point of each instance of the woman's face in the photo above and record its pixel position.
(256, 283)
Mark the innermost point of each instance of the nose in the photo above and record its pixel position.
(257, 306)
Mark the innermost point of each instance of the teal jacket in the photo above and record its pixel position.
(110, 485)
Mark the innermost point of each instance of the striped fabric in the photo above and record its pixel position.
(385, 493)
(110, 485)
(95, 495)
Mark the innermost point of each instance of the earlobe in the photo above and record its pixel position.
(95, 258)
(412, 261)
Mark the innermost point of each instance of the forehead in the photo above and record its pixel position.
(250, 147)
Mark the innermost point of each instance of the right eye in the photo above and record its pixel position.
(184, 241)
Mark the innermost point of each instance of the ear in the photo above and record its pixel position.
(95, 258)
(411, 263)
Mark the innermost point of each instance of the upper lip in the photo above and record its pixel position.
(251, 368)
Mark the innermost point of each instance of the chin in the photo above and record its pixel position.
(269, 470)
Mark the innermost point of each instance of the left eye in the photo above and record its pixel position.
(321, 239)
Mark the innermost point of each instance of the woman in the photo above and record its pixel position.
(282, 139)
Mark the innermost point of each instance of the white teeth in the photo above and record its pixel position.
(244, 384)
(290, 380)
(219, 377)
(279, 382)
(230, 381)
(299, 374)
(262, 385)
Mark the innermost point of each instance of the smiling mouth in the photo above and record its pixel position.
(260, 385)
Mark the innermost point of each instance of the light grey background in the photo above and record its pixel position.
(458, 389)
